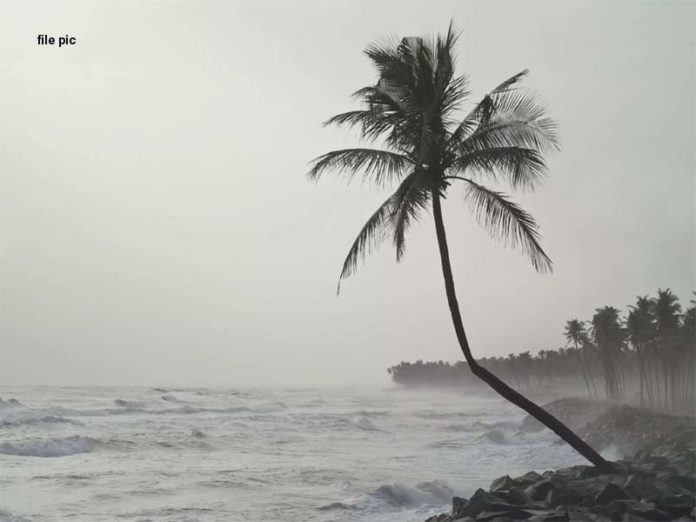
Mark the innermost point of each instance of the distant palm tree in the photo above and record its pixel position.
(640, 328)
(667, 318)
(411, 111)
(609, 337)
(688, 353)
(576, 333)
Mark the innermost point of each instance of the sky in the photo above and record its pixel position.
(157, 226)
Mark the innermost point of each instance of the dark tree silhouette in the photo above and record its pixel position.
(412, 110)
(576, 333)
(640, 328)
(667, 318)
(609, 336)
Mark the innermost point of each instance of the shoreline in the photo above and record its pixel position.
(654, 481)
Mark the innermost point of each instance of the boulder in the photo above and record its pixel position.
(495, 516)
(502, 507)
(564, 496)
(685, 482)
(458, 506)
(443, 517)
(539, 490)
(530, 478)
(647, 513)
(580, 472)
(513, 495)
(478, 503)
(504, 482)
(614, 510)
(677, 505)
(642, 488)
(551, 516)
(611, 492)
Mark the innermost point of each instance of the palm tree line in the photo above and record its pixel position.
(653, 344)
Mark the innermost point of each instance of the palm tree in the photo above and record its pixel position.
(576, 333)
(640, 327)
(411, 110)
(609, 338)
(688, 351)
(667, 318)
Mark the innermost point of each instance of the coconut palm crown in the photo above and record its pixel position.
(412, 112)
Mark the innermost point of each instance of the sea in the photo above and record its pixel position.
(241, 454)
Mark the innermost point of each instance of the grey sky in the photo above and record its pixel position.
(158, 228)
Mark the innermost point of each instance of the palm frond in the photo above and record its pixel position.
(456, 91)
(392, 61)
(374, 231)
(512, 118)
(475, 116)
(505, 220)
(407, 207)
(372, 124)
(382, 99)
(520, 167)
(507, 84)
(378, 166)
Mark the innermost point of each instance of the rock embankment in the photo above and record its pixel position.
(656, 483)
(650, 488)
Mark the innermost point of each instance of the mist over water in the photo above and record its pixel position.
(97, 454)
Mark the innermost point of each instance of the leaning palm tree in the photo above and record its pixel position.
(411, 110)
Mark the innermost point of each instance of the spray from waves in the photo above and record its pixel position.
(504, 438)
(423, 494)
(613, 452)
(365, 423)
(6, 516)
(199, 434)
(53, 447)
(478, 426)
(388, 497)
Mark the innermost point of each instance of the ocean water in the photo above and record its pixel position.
(182, 454)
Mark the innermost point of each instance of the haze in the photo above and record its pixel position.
(158, 227)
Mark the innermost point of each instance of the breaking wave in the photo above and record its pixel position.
(6, 516)
(365, 423)
(397, 496)
(14, 421)
(128, 404)
(53, 447)
(504, 438)
(433, 493)
(478, 426)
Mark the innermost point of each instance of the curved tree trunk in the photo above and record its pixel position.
(499, 386)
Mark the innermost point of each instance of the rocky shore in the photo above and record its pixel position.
(656, 482)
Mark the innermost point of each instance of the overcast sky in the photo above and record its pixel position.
(158, 227)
